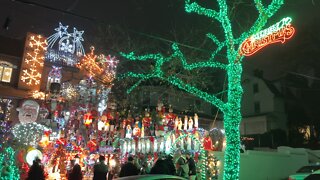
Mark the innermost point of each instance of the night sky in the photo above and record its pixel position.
(154, 17)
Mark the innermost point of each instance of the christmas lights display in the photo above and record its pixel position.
(29, 134)
(232, 105)
(69, 49)
(33, 60)
(5, 109)
(8, 167)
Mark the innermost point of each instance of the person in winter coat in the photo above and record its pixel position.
(192, 167)
(160, 167)
(100, 170)
(169, 162)
(129, 169)
(76, 173)
(36, 172)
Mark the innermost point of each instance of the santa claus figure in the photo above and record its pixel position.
(207, 143)
(147, 119)
(171, 118)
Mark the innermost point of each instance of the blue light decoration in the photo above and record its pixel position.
(70, 49)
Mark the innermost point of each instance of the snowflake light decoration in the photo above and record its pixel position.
(102, 68)
(34, 60)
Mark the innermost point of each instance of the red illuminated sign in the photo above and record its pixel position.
(279, 32)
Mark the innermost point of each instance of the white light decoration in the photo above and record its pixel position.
(69, 91)
(54, 76)
(32, 155)
(103, 99)
(29, 134)
(69, 45)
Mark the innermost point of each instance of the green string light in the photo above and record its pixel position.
(231, 108)
(11, 171)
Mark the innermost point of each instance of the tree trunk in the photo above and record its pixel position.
(232, 119)
(232, 152)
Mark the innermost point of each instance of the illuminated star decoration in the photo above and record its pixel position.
(229, 45)
(69, 42)
(61, 31)
(77, 38)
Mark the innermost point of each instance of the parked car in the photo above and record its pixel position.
(314, 176)
(152, 177)
(304, 171)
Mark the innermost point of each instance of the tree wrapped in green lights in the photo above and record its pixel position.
(8, 168)
(231, 45)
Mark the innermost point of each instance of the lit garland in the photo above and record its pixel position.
(202, 158)
(28, 134)
(10, 171)
(34, 60)
(212, 164)
(231, 108)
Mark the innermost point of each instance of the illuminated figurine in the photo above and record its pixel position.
(190, 123)
(128, 131)
(176, 123)
(185, 127)
(180, 124)
(147, 119)
(136, 130)
(196, 119)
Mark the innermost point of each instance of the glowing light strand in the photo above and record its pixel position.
(230, 108)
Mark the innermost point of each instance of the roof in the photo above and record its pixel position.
(12, 47)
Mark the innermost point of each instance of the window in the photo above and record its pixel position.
(5, 71)
(255, 88)
(257, 107)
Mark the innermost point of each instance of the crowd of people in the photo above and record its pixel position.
(182, 165)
